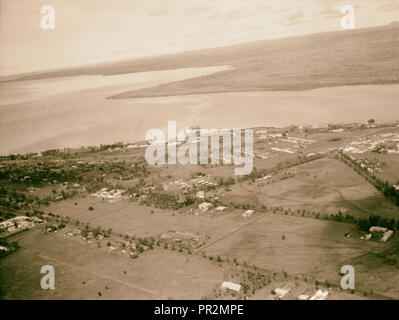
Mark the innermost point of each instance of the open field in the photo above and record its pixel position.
(390, 170)
(332, 186)
(293, 244)
(130, 218)
(82, 272)
(376, 271)
(312, 250)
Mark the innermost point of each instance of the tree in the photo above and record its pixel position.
(371, 121)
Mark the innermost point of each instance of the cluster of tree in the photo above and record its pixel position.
(94, 231)
(39, 172)
(55, 227)
(244, 206)
(364, 224)
(12, 201)
(226, 182)
(148, 242)
(162, 200)
(259, 173)
(112, 146)
(11, 246)
(13, 157)
(36, 173)
(123, 170)
(253, 280)
(388, 190)
(340, 217)
(62, 153)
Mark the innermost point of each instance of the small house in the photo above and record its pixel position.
(231, 286)
(204, 206)
(248, 213)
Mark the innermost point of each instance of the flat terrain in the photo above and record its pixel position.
(307, 249)
(130, 218)
(363, 56)
(82, 272)
(324, 186)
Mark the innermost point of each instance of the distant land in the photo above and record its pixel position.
(350, 57)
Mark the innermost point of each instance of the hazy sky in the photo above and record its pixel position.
(88, 31)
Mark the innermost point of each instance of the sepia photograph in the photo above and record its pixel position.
(213, 151)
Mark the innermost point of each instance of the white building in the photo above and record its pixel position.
(200, 195)
(378, 229)
(220, 209)
(248, 213)
(366, 237)
(320, 295)
(282, 150)
(280, 293)
(386, 236)
(204, 206)
(231, 285)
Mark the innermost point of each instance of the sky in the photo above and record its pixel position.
(91, 31)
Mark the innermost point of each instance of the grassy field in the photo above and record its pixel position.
(83, 272)
(130, 218)
(376, 271)
(324, 186)
(307, 249)
(293, 244)
(301, 246)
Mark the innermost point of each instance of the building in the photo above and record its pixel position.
(248, 213)
(200, 195)
(386, 236)
(231, 286)
(320, 295)
(303, 297)
(378, 229)
(204, 206)
(280, 293)
(220, 209)
(366, 237)
(282, 150)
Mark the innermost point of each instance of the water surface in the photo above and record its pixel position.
(71, 112)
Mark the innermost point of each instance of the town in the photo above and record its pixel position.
(109, 203)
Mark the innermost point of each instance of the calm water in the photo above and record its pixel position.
(74, 111)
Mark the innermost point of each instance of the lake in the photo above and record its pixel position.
(74, 111)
